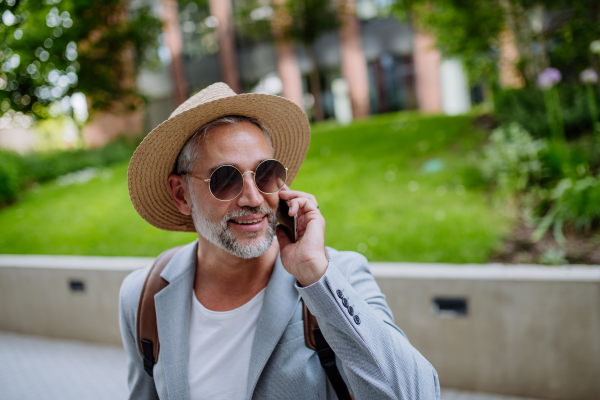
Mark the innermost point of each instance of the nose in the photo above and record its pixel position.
(250, 196)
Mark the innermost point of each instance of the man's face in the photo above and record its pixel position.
(244, 226)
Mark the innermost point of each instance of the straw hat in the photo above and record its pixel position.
(155, 157)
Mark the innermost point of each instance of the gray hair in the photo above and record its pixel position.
(190, 152)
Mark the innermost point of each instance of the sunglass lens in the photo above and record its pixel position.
(270, 176)
(226, 182)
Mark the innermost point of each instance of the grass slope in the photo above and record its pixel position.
(362, 176)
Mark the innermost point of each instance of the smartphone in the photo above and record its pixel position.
(287, 223)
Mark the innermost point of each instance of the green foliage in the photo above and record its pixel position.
(253, 19)
(199, 39)
(465, 29)
(53, 48)
(511, 161)
(554, 182)
(470, 30)
(310, 19)
(526, 107)
(368, 177)
(18, 172)
(553, 257)
(577, 25)
(573, 201)
(10, 167)
(305, 20)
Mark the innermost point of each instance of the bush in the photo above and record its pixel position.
(512, 158)
(17, 172)
(10, 175)
(526, 107)
(573, 202)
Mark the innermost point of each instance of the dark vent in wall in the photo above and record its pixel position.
(450, 306)
(76, 285)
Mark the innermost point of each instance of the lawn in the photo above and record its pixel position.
(394, 187)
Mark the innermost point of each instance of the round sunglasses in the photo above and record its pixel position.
(227, 182)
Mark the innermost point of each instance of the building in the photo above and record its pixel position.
(403, 70)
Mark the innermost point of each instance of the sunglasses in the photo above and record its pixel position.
(227, 182)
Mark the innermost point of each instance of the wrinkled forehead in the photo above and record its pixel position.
(241, 144)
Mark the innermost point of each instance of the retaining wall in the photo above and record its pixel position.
(519, 330)
(526, 331)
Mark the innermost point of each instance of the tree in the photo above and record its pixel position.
(309, 20)
(467, 29)
(52, 49)
(287, 22)
(353, 63)
(174, 41)
(287, 60)
(546, 32)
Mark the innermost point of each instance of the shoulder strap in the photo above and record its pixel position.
(315, 340)
(147, 331)
(149, 344)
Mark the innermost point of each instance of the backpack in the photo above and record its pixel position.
(149, 344)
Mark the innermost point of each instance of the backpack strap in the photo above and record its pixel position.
(147, 330)
(149, 343)
(316, 341)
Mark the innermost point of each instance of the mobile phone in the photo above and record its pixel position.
(287, 223)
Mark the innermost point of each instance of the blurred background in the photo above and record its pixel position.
(456, 144)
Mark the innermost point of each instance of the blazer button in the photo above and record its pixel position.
(345, 302)
(357, 319)
(350, 310)
(339, 293)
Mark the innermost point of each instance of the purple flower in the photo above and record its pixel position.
(548, 78)
(588, 76)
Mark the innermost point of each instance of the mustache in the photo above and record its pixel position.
(245, 211)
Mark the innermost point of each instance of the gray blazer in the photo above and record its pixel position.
(374, 356)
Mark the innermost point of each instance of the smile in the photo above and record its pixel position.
(251, 223)
(248, 222)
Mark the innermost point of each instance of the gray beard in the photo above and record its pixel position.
(219, 234)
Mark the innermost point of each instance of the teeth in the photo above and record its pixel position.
(254, 221)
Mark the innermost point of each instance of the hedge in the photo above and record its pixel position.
(526, 106)
(17, 172)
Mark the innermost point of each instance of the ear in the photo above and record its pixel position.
(180, 193)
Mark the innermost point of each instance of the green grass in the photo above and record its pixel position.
(360, 175)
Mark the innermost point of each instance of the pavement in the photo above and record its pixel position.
(40, 368)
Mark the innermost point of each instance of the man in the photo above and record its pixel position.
(230, 320)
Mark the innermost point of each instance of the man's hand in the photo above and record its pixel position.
(305, 259)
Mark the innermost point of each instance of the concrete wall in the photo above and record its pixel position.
(36, 295)
(527, 331)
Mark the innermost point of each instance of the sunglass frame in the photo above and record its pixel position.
(243, 180)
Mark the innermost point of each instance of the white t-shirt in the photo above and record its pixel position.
(219, 352)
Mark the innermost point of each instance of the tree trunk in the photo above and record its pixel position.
(287, 62)
(510, 76)
(354, 65)
(518, 22)
(172, 31)
(315, 84)
(221, 9)
(427, 61)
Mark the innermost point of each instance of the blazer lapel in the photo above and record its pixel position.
(173, 305)
(281, 299)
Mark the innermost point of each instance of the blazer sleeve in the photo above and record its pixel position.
(141, 385)
(378, 361)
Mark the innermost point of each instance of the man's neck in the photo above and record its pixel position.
(225, 282)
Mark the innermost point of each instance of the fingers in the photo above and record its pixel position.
(303, 204)
(287, 194)
(298, 201)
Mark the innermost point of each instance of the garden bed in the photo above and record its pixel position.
(519, 248)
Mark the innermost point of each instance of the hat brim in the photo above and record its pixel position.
(154, 159)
